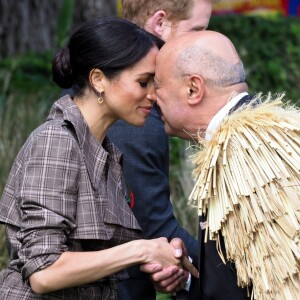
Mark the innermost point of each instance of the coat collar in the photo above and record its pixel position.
(95, 154)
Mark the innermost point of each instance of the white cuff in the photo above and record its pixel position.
(188, 282)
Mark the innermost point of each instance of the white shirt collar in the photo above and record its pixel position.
(218, 118)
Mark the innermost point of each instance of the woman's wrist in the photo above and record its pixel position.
(139, 251)
(143, 248)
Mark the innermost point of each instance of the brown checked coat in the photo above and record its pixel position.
(65, 192)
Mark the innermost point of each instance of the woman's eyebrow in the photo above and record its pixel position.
(147, 74)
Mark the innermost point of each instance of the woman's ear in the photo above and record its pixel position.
(96, 78)
(195, 89)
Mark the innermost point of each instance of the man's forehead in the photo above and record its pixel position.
(162, 60)
(161, 68)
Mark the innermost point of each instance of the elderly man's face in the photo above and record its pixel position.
(171, 93)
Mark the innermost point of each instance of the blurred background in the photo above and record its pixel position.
(266, 34)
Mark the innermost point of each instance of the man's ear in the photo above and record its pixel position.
(96, 79)
(159, 23)
(195, 89)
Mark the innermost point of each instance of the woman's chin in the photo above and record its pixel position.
(137, 123)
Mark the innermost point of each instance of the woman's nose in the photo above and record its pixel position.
(151, 95)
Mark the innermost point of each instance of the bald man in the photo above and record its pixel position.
(247, 171)
(199, 79)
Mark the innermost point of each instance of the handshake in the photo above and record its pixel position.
(169, 266)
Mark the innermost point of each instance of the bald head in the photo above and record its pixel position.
(207, 53)
(196, 74)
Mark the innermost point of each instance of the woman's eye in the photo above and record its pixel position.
(146, 82)
(143, 84)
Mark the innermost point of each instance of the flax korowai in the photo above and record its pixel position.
(253, 161)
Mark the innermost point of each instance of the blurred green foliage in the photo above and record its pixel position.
(29, 73)
(269, 47)
(65, 23)
(160, 296)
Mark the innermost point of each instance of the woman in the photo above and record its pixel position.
(69, 228)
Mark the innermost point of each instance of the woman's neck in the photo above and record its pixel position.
(95, 116)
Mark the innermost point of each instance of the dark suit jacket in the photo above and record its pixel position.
(146, 170)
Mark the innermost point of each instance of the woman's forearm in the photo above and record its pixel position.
(77, 268)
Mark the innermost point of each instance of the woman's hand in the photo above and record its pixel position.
(173, 278)
(160, 252)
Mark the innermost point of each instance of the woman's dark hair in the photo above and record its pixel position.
(110, 44)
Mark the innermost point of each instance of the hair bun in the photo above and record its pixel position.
(62, 73)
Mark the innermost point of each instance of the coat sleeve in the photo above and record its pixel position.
(47, 194)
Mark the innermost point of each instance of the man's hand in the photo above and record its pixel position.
(180, 251)
(168, 280)
(172, 278)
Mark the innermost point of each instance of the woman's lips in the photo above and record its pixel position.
(146, 109)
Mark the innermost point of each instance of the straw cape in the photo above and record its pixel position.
(247, 185)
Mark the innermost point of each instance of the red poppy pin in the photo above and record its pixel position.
(130, 200)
